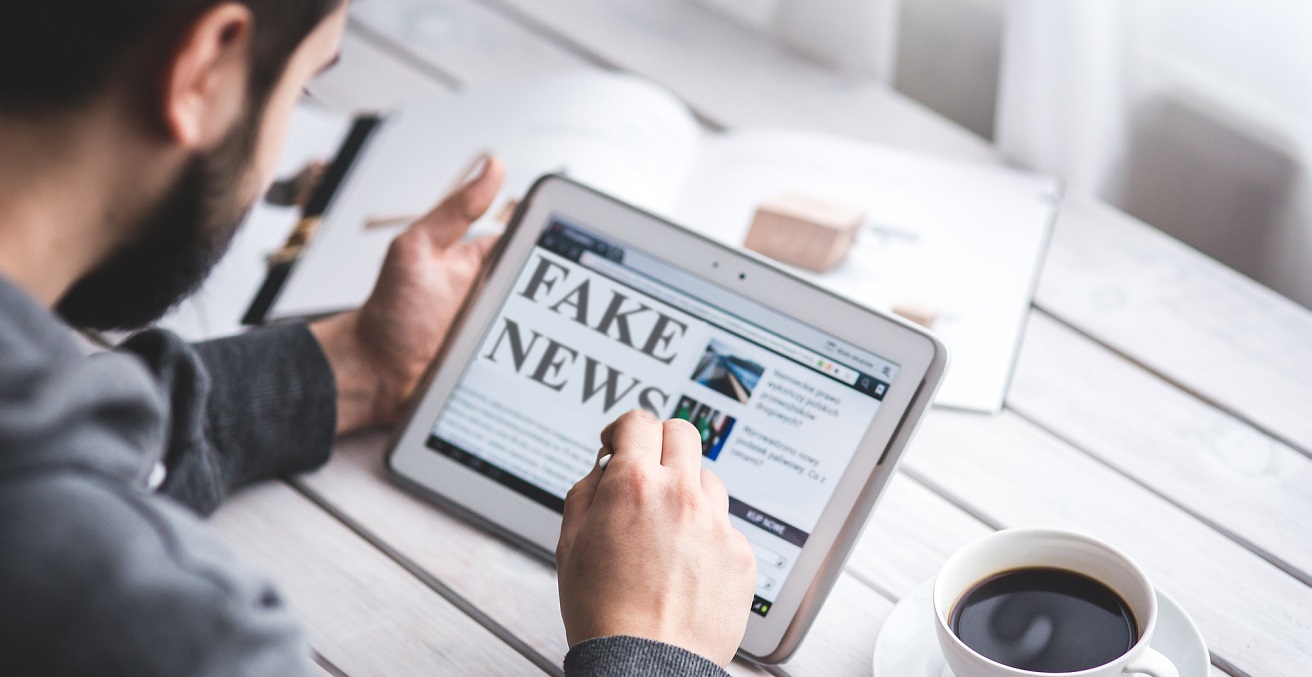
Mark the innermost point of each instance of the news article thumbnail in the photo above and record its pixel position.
(726, 373)
(713, 425)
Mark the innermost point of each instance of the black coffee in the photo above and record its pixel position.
(1044, 620)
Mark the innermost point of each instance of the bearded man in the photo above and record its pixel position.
(134, 135)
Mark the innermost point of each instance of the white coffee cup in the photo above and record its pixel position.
(1022, 548)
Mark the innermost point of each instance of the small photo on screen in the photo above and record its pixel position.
(712, 424)
(726, 373)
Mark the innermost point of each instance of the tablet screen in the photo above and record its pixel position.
(592, 329)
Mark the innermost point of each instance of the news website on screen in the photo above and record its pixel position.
(591, 329)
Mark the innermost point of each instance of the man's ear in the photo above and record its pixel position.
(203, 83)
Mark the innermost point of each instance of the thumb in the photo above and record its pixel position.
(577, 504)
(449, 220)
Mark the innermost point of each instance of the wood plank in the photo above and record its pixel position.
(1203, 459)
(514, 588)
(1010, 473)
(842, 641)
(362, 612)
(911, 533)
(1190, 319)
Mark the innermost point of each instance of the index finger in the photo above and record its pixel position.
(634, 439)
(577, 504)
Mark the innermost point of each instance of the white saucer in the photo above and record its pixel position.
(908, 647)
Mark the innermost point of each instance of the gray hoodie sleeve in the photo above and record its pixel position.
(101, 580)
(241, 409)
(633, 656)
(99, 575)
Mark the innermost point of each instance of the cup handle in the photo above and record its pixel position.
(1152, 662)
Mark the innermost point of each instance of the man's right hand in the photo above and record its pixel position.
(646, 548)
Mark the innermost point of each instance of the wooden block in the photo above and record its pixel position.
(803, 231)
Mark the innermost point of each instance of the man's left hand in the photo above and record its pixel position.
(379, 352)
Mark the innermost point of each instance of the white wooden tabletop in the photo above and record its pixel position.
(1162, 402)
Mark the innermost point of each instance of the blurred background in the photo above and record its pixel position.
(1192, 115)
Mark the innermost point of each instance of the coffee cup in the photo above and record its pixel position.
(1029, 602)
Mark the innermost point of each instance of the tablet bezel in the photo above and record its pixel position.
(920, 356)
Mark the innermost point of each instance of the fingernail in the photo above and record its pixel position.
(479, 170)
(483, 163)
(474, 172)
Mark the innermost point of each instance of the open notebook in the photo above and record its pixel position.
(962, 239)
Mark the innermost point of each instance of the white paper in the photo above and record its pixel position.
(620, 134)
(962, 239)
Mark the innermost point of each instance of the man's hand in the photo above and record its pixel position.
(646, 548)
(379, 352)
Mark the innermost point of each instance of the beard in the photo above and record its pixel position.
(175, 246)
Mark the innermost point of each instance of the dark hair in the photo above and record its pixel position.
(59, 55)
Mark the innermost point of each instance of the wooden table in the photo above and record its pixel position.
(1161, 402)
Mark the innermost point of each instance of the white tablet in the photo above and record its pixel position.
(590, 308)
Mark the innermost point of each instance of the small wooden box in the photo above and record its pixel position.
(803, 231)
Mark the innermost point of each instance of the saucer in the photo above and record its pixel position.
(908, 647)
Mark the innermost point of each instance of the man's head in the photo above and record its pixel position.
(204, 88)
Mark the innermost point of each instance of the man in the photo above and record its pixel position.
(133, 135)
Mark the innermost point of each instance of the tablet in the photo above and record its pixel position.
(589, 308)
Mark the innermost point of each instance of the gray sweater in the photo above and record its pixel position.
(107, 465)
